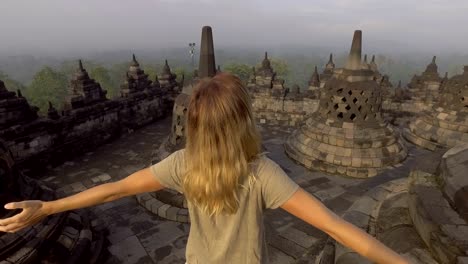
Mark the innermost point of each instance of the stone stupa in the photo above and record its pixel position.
(425, 87)
(347, 135)
(327, 72)
(446, 125)
(84, 91)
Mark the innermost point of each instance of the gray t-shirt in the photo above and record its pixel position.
(236, 238)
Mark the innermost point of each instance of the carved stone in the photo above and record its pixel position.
(425, 87)
(446, 125)
(60, 238)
(347, 134)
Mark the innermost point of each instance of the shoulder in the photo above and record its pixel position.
(265, 166)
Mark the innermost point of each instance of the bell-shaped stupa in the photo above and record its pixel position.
(347, 135)
(447, 124)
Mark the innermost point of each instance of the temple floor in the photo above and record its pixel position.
(135, 235)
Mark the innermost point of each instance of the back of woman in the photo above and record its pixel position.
(231, 238)
(226, 180)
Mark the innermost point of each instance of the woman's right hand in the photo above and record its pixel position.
(32, 212)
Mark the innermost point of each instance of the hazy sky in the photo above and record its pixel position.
(57, 26)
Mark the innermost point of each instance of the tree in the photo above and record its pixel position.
(11, 85)
(182, 71)
(241, 70)
(47, 85)
(102, 76)
(69, 68)
(117, 73)
(279, 66)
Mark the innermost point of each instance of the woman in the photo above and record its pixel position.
(228, 184)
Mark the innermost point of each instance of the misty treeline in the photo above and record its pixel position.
(47, 79)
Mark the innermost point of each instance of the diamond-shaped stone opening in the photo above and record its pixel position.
(343, 99)
(361, 93)
(367, 100)
(339, 90)
(355, 100)
(340, 115)
(335, 106)
(350, 92)
(353, 116)
(348, 107)
(366, 117)
(359, 108)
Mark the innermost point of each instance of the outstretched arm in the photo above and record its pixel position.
(306, 207)
(33, 211)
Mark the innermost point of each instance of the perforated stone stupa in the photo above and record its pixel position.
(264, 79)
(425, 87)
(446, 125)
(347, 135)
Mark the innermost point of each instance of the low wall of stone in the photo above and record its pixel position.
(45, 141)
(292, 110)
(138, 112)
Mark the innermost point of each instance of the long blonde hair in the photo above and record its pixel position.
(221, 140)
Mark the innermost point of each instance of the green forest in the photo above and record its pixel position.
(41, 80)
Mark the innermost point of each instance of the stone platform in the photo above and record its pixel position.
(136, 235)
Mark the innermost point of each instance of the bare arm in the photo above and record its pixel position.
(33, 211)
(308, 208)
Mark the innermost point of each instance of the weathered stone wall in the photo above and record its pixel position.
(410, 106)
(138, 112)
(46, 141)
(290, 111)
(282, 111)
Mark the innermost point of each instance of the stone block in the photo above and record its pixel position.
(171, 213)
(364, 205)
(162, 211)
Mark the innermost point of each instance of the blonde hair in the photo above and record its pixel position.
(221, 140)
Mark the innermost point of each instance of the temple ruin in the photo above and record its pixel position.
(346, 122)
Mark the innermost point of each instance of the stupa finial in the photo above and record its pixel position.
(207, 66)
(354, 58)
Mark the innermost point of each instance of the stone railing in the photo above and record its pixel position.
(49, 141)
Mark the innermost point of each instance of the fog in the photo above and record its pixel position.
(70, 27)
